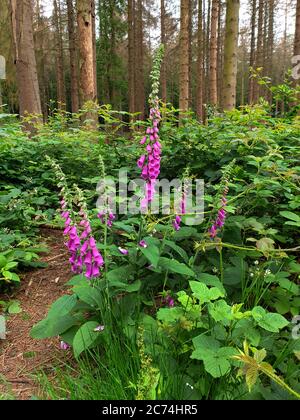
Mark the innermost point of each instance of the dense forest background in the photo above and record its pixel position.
(102, 50)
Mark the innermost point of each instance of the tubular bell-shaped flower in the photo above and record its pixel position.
(149, 163)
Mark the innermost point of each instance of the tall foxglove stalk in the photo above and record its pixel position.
(149, 162)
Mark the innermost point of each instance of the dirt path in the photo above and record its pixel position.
(21, 355)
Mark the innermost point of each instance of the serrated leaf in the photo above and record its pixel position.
(251, 376)
(203, 293)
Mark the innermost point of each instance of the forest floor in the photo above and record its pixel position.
(20, 355)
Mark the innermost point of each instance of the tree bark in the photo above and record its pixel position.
(139, 61)
(131, 78)
(297, 30)
(59, 58)
(213, 92)
(252, 52)
(259, 48)
(94, 46)
(184, 57)
(87, 87)
(26, 71)
(73, 58)
(230, 53)
(199, 96)
(163, 79)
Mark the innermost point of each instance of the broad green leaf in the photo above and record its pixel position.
(178, 250)
(170, 315)
(269, 321)
(211, 280)
(289, 285)
(62, 306)
(3, 261)
(52, 327)
(220, 311)
(152, 254)
(175, 267)
(85, 337)
(88, 294)
(120, 274)
(203, 293)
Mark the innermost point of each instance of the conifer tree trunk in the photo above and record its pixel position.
(220, 54)
(213, 95)
(59, 57)
(26, 71)
(191, 53)
(252, 52)
(94, 46)
(163, 41)
(259, 48)
(86, 54)
(297, 30)
(73, 58)
(139, 61)
(200, 79)
(131, 76)
(230, 53)
(184, 57)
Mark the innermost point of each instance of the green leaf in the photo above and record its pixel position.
(211, 280)
(120, 274)
(62, 306)
(8, 275)
(178, 250)
(269, 321)
(14, 307)
(220, 311)
(3, 261)
(175, 267)
(76, 280)
(203, 293)
(152, 254)
(290, 215)
(88, 294)
(170, 315)
(52, 327)
(289, 285)
(85, 337)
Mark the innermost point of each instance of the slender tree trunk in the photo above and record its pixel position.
(94, 46)
(199, 102)
(131, 78)
(206, 54)
(270, 47)
(259, 48)
(26, 71)
(213, 92)
(163, 41)
(139, 61)
(252, 52)
(39, 41)
(86, 59)
(191, 53)
(184, 57)
(59, 58)
(230, 53)
(220, 55)
(297, 30)
(73, 58)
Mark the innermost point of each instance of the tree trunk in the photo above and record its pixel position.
(191, 54)
(85, 40)
(26, 71)
(131, 78)
(220, 54)
(230, 53)
(94, 46)
(252, 52)
(259, 48)
(139, 61)
(59, 57)
(199, 103)
(73, 58)
(206, 53)
(213, 95)
(184, 57)
(297, 30)
(86, 50)
(163, 80)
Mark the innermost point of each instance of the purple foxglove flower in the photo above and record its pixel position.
(143, 141)
(88, 258)
(143, 244)
(64, 346)
(141, 161)
(92, 242)
(89, 270)
(123, 251)
(95, 271)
